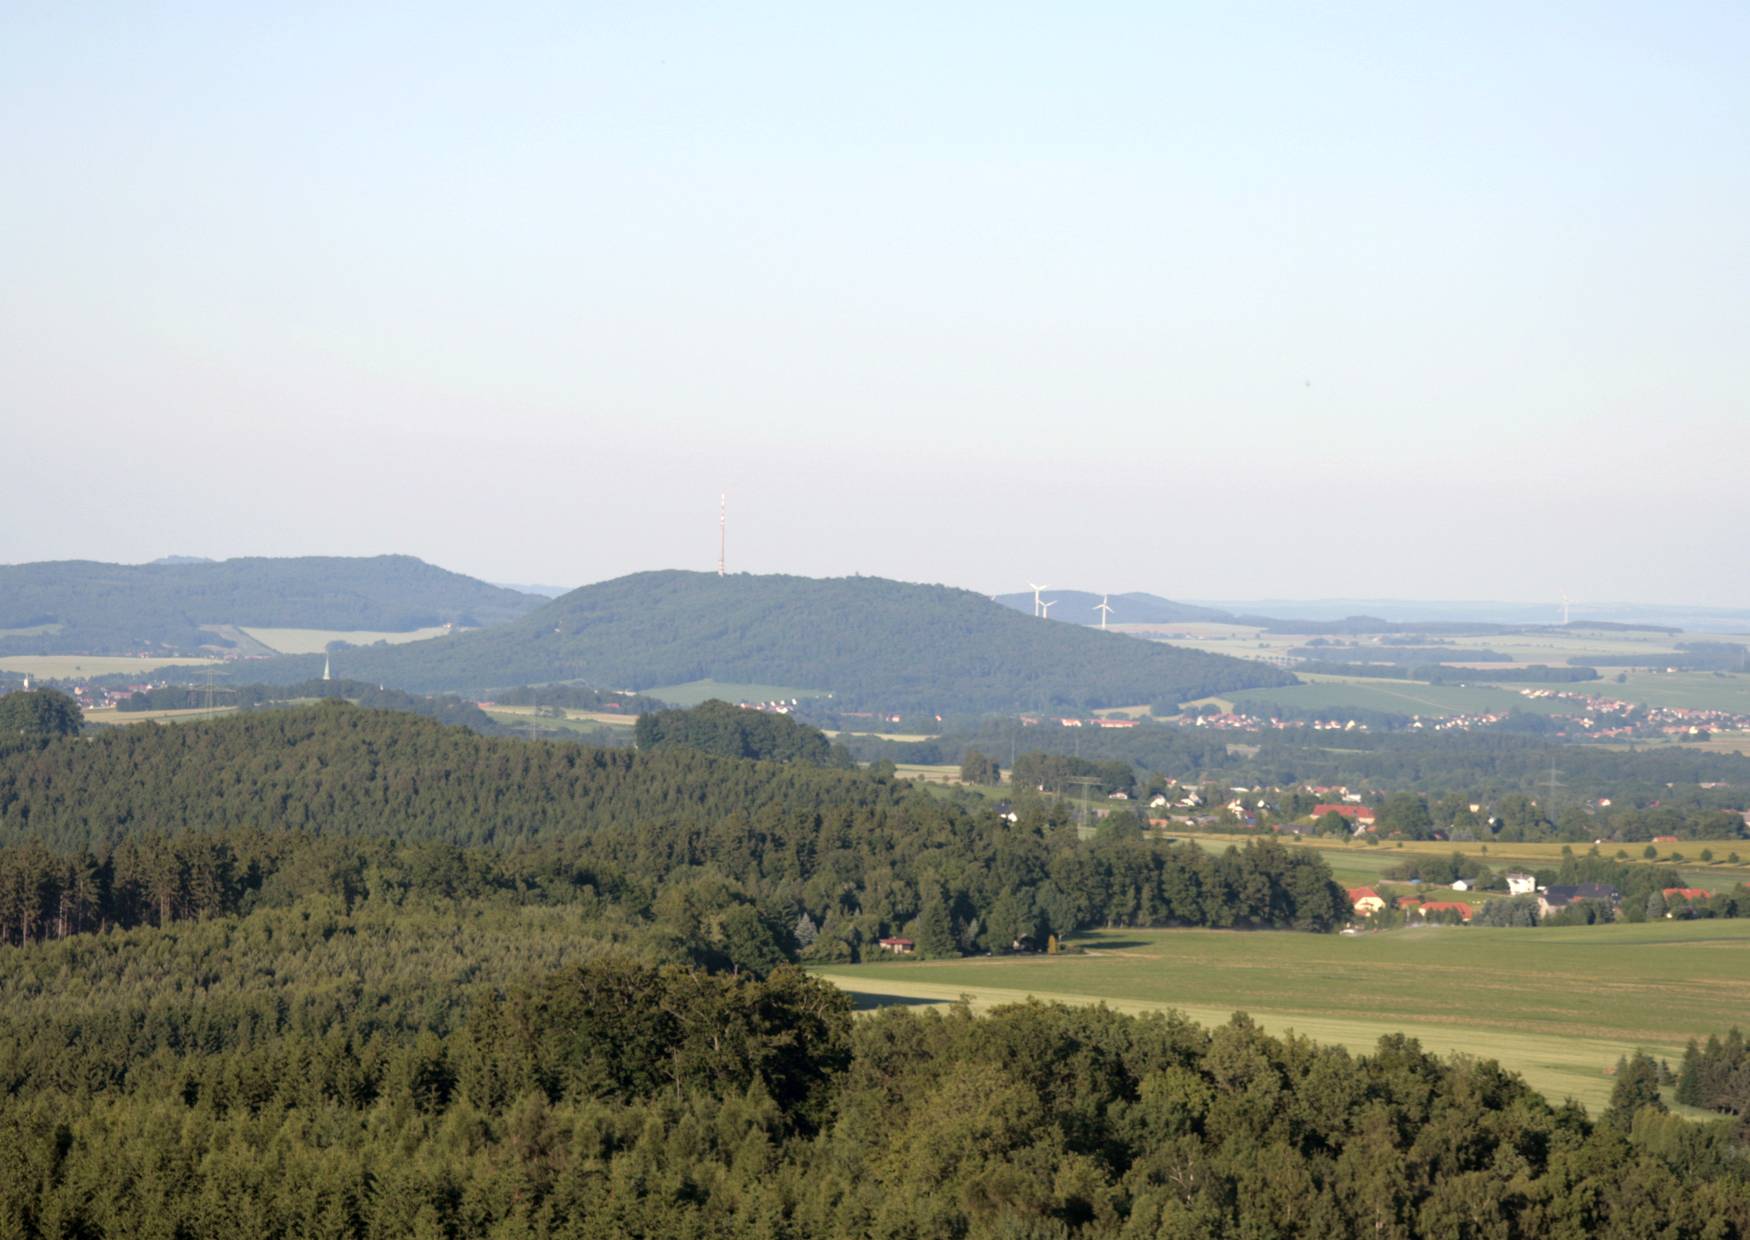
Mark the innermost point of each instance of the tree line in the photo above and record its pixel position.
(1716, 1075)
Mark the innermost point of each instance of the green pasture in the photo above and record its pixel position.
(83, 666)
(1556, 1005)
(696, 691)
(315, 641)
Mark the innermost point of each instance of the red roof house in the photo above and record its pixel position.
(1365, 900)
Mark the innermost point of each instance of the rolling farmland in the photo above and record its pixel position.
(1557, 1005)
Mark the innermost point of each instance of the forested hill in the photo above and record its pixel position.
(861, 855)
(1080, 607)
(85, 607)
(873, 644)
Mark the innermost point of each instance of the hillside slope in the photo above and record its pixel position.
(874, 644)
(85, 607)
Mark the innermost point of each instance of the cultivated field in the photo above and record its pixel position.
(315, 641)
(1557, 1005)
(696, 691)
(82, 666)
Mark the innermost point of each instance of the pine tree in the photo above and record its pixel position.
(1689, 1077)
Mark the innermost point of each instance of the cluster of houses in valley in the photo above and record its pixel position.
(1369, 903)
(1605, 718)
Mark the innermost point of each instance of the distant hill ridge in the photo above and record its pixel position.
(874, 644)
(86, 607)
(1132, 607)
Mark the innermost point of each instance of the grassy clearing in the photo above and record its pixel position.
(946, 773)
(82, 666)
(315, 641)
(111, 717)
(694, 692)
(518, 714)
(1558, 1005)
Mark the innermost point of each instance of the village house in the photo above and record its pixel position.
(1366, 901)
(1359, 814)
(1519, 883)
(899, 947)
(1555, 899)
(1464, 911)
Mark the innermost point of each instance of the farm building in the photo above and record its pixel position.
(899, 947)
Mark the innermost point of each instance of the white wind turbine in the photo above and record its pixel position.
(1036, 590)
(1045, 607)
(1104, 607)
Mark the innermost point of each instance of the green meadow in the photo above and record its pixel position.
(1556, 1005)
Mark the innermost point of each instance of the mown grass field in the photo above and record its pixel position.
(1556, 1005)
(81, 666)
(315, 641)
(696, 691)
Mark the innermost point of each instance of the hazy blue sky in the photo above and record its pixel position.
(1216, 300)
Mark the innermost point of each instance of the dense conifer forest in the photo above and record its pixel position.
(874, 644)
(857, 854)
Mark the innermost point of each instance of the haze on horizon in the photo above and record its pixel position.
(1240, 302)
